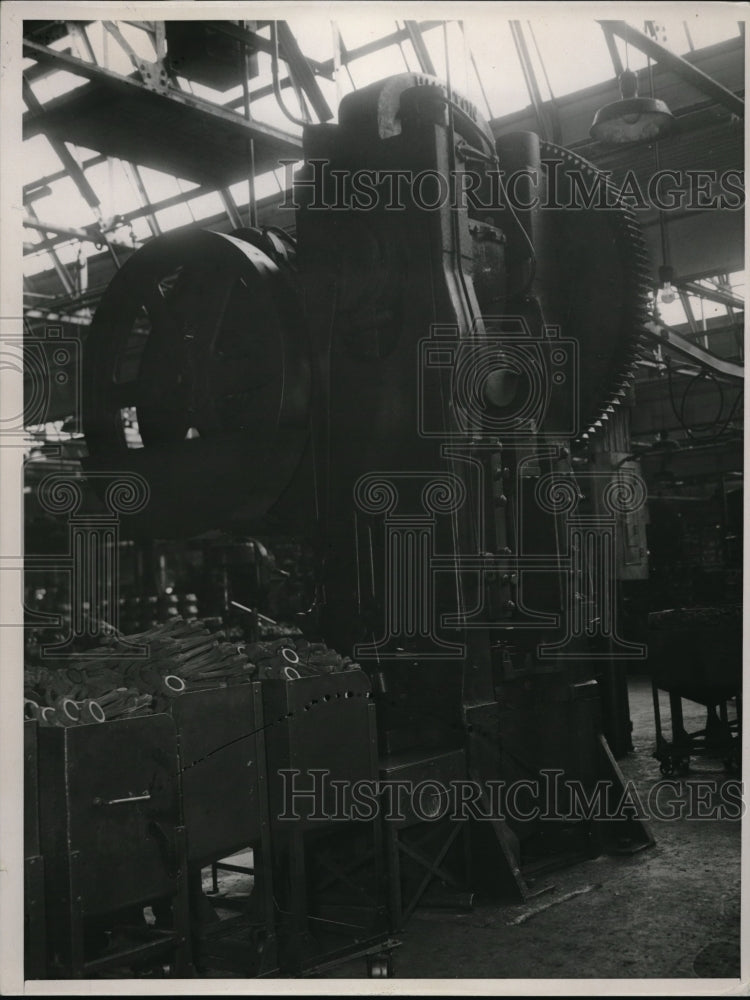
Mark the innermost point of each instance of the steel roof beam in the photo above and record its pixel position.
(60, 269)
(72, 167)
(681, 67)
(666, 337)
(402, 35)
(128, 85)
(614, 54)
(254, 40)
(72, 233)
(719, 295)
(423, 53)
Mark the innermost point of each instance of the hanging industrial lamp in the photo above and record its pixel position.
(632, 118)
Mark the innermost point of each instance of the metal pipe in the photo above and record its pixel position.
(275, 77)
(252, 204)
(530, 77)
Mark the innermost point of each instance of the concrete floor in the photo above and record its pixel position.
(670, 911)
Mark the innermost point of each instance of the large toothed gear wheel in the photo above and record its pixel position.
(602, 278)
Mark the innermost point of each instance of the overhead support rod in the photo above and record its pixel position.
(614, 54)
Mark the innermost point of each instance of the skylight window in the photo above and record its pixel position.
(565, 53)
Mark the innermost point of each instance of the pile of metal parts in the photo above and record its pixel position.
(291, 658)
(113, 682)
(134, 674)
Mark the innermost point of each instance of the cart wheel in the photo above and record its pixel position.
(380, 966)
(667, 767)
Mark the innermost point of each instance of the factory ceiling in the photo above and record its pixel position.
(125, 120)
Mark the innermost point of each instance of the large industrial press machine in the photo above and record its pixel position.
(411, 384)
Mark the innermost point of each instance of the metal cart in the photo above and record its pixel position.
(696, 654)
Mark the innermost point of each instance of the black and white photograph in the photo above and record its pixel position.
(372, 452)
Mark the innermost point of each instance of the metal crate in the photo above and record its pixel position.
(222, 766)
(316, 724)
(221, 741)
(112, 841)
(329, 874)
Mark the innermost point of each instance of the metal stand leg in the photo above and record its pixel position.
(657, 717)
(394, 878)
(678, 724)
(183, 966)
(298, 877)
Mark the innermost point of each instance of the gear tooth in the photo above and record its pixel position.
(635, 275)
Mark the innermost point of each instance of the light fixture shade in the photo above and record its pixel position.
(634, 119)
